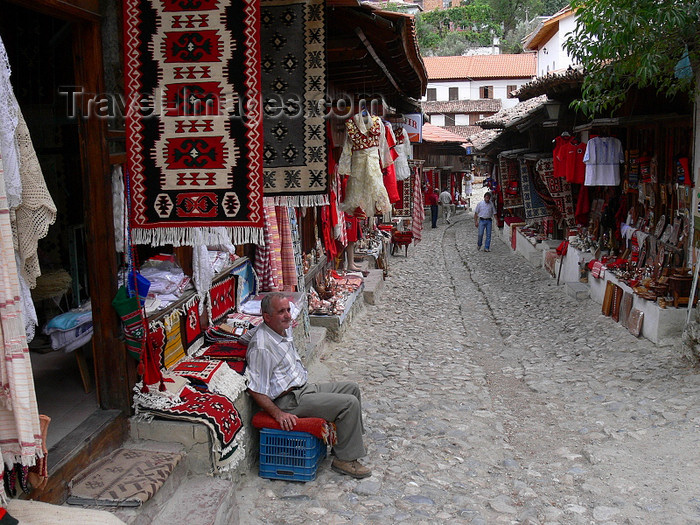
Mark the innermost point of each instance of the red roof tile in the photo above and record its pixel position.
(432, 133)
(477, 67)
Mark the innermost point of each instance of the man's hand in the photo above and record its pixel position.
(286, 421)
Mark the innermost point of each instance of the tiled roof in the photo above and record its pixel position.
(484, 138)
(464, 131)
(508, 116)
(484, 105)
(480, 67)
(432, 133)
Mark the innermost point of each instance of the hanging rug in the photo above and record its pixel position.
(559, 189)
(293, 75)
(533, 203)
(194, 121)
(124, 478)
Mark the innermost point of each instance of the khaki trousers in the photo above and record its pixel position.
(337, 402)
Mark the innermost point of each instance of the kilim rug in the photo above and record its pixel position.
(508, 172)
(124, 478)
(214, 411)
(293, 64)
(222, 299)
(559, 189)
(194, 122)
(534, 205)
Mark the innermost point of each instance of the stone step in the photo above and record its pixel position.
(578, 290)
(374, 286)
(203, 500)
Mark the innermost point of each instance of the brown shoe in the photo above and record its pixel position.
(352, 468)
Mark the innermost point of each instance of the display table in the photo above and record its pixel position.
(337, 324)
(660, 325)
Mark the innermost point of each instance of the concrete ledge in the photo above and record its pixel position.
(374, 286)
(336, 325)
(578, 290)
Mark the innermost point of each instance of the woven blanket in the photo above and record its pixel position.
(222, 299)
(322, 429)
(214, 411)
(559, 189)
(509, 172)
(418, 214)
(124, 478)
(194, 125)
(534, 205)
(213, 375)
(293, 63)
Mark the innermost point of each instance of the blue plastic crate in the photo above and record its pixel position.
(293, 456)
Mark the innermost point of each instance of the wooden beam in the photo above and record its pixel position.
(376, 58)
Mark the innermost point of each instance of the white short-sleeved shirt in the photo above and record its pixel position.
(485, 210)
(602, 159)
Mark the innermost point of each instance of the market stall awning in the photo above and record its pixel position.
(371, 51)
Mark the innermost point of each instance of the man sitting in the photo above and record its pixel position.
(278, 385)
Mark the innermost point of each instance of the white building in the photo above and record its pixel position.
(476, 78)
(547, 41)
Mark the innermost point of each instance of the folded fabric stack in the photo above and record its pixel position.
(70, 330)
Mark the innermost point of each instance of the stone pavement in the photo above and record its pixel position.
(493, 397)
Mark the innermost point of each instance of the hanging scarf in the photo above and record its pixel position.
(20, 432)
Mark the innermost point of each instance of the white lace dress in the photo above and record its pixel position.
(364, 153)
(405, 150)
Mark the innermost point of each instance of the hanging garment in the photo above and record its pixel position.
(20, 432)
(36, 212)
(364, 153)
(603, 158)
(9, 118)
(418, 215)
(289, 267)
(388, 172)
(405, 150)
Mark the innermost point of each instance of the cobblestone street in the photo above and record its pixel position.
(491, 396)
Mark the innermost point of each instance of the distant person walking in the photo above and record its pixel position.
(431, 199)
(483, 219)
(446, 202)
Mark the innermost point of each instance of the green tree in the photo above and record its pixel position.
(444, 31)
(634, 43)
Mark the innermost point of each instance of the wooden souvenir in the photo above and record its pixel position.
(616, 300)
(607, 299)
(625, 308)
(634, 323)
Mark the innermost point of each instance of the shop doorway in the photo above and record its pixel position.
(40, 51)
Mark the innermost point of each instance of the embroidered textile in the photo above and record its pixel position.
(222, 299)
(293, 45)
(20, 432)
(365, 152)
(174, 349)
(289, 266)
(192, 333)
(246, 283)
(129, 310)
(316, 426)
(418, 210)
(194, 129)
(534, 206)
(215, 411)
(509, 173)
(559, 189)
